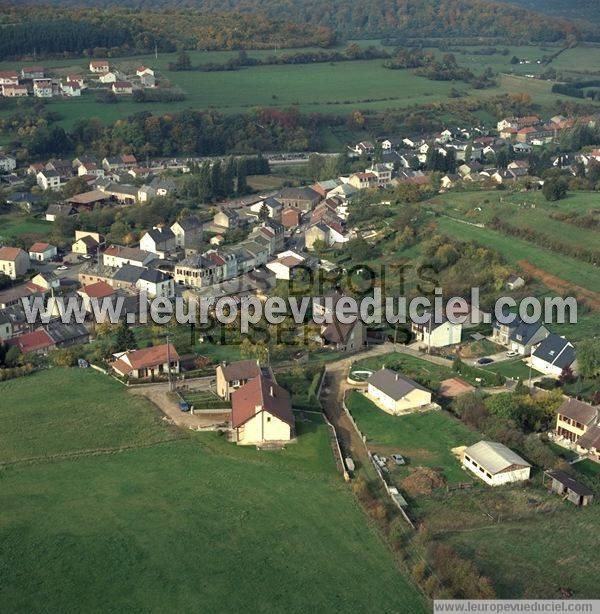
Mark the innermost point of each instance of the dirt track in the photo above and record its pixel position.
(590, 298)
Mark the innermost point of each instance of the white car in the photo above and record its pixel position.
(62, 267)
(512, 353)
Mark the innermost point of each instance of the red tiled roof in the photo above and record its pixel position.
(146, 358)
(32, 342)
(262, 393)
(99, 289)
(39, 247)
(10, 253)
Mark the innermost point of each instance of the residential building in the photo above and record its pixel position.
(396, 393)
(199, 271)
(553, 355)
(122, 87)
(261, 413)
(48, 180)
(233, 375)
(99, 66)
(7, 163)
(344, 337)
(495, 464)
(15, 91)
(187, 231)
(156, 283)
(226, 218)
(290, 218)
(519, 336)
(57, 210)
(42, 88)
(573, 420)
(437, 334)
(42, 252)
(156, 361)
(160, 241)
(34, 342)
(86, 245)
(514, 282)
(363, 181)
(14, 262)
(117, 256)
(285, 263)
(9, 77)
(302, 199)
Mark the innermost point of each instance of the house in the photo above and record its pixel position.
(519, 167)
(437, 334)
(363, 181)
(117, 256)
(226, 218)
(574, 419)
(156, 283)
(231, 376)
(32, 72)
(285, 263)
(85, 246)
(143, 70)
(122, 193)
(6, 327)
(290, 218)
(187, 231)
(9, 77)
(160, 241)
(37, 342)
(364, 147)
(14, 262)
(395, 393)
(495, 464)
(157, 187)
(90, 169)
(147, 363)
(99, 66)
(42, 252)
(382, 172)
(553, 355)
(71, 88)
(42, 88)
(271, 205)
(217, 240)
(344, 337)
(568, 487)
(302, 199)
(123, 278)
(48, 180)
(148, 80)
(317, 232)
(7, 163)
(46, 280)
(24, 200)
(65, 335)
(94, 293)
(110, 77)
(15, 91)
(519, 336)
(261, 412)
(57, 210)
(210, 268)
(122, 87)
(514, 282)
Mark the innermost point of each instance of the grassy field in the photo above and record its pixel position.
(514, 369)
(424, 439)
(15, 225)
(194, 520)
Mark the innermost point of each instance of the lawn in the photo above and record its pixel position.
(424, 439)
(15, 225)
(64, 411)
(194, 520)
(515, 369)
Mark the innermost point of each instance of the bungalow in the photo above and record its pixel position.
(344, 337)
(160, 241)
(568, 487)
(42, 252)
(14, 262)
(148, 362)
(187, 231)
(156, 283)
(37, 341)
(395, 393)
(231, 376)
(437, 334)
(495, 464)
(117, 256)
(553, 355)
(261, 412)
(99, 66)
(519, 336)
(122, 87)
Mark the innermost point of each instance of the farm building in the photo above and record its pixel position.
(495, 464)
(396, 393)
(568, 487)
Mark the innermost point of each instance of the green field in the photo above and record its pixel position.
(422, 438)
(14, 225)
(192, 522)
(515, 369)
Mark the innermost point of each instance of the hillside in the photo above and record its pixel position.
(570, 9)
(377, 18)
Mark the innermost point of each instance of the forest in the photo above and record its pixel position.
(233, 23)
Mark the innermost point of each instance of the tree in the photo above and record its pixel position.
(183, 62)
(124, 338)
(555, 188)
(263, 214)
(588, 357)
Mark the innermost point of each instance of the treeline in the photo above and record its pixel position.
(546, 241)
(391, 18)
(577, 89)
(56, 31)
(243, 60)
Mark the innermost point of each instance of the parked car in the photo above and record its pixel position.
(184, 406)
(485, 361)
(398, 459)
(62, 267)
(512, 353)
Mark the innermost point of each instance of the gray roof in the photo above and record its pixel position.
(298, 194)
(393, 384)
(62, 333)
(189, 223)
(128, 273)
(159, 235)
(494, 457)
(154, 276)
(570, 482)
(556, 351)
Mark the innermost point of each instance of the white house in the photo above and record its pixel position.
(7, 163)
(437, 334)
(396, 393)
(42, 88)
(42, 252)
(109, 77)
(160, 241)
(156, 283)
(261, 412)
(48, 180)
(99, 66)
(284, 264)
(187, 231)
(13, 261)
(117, 256)
(553, 355)
(495, 464)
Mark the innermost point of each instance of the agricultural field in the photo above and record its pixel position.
(181, 521)
(424, 439)
(14, 225)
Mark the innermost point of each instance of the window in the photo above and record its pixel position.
(268, 418)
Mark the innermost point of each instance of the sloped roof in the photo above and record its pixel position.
(578, 410)
(146, 358)
(494, 457)
(556, 351)
(264, 393)
(570, 482)
(590, 439)
(33, 341)
(393, 384)
(240, 370)
(10, 253)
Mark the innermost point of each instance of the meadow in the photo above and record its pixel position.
(186, 523)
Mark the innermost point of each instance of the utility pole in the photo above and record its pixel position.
(156, 50)
(169, 364)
